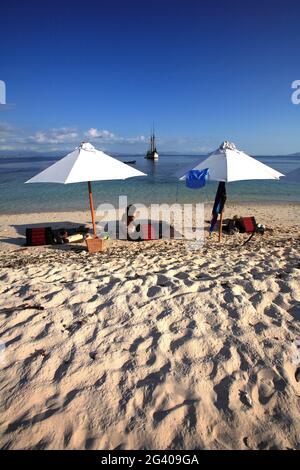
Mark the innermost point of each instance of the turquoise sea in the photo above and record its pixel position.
(159, 186)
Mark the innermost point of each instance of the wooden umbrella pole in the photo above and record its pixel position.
(220, 227)
(92, 209)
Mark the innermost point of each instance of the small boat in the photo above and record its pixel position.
(152, 153)
(130, 162)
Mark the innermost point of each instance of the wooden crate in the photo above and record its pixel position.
(94, 245)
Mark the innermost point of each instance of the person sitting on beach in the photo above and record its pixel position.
(125, 229)
(131, 228)
(131, 215)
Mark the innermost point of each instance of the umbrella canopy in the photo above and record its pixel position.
(229, 164)
(85, 163)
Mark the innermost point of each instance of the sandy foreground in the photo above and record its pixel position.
(151, 345)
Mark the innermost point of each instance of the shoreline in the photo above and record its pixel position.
(206, 203)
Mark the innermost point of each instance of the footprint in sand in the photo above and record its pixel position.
(292, 373)
(268, 383)
(239, 395)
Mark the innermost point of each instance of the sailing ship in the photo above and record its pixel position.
(152, 153)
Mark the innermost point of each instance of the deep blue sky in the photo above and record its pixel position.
(204, 71)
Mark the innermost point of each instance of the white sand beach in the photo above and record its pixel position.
(151, 345)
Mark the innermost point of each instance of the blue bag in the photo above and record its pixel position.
(196, 179)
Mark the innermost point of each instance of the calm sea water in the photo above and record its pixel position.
(159, 186)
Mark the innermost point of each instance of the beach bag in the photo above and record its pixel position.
(249, 225)
(243, 225)
(246, 224)
(39, 236)
(148, 232)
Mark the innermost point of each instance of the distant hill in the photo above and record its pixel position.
(29, 153)
(293, 175)
(62, 153)
(56, 154)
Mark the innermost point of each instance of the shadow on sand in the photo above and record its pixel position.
(163, 231)
(20, 230)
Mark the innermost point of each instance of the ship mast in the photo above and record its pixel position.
(153, 138)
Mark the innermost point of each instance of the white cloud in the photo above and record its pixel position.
(63, 135)
(11, 137)
(100, 134)
(109, 137)
(67, 138)
(19, 139)
(64, 138)
(6, 129)
(137, 139)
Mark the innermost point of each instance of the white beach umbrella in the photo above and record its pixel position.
(86, 164)
(227, 164)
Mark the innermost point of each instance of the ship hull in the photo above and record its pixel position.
(152, 156)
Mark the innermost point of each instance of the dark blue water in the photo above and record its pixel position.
(158, 187)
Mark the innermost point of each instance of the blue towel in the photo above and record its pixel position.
(219, 204)
(196, 179)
